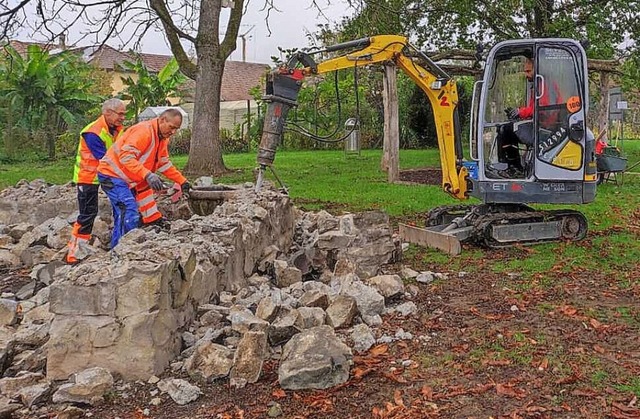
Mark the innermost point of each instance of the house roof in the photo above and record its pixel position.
(237, 80)
(239, 77)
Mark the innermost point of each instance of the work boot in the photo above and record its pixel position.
(78, 248)
(159, 225)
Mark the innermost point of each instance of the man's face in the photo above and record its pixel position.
(168, 125)
(115, 117)
(528, 69)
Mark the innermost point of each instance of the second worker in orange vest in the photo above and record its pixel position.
(95, 140)
(130, 165)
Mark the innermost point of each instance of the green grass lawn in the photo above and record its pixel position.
(330, 180)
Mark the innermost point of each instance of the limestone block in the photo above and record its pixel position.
(8, 312)
(314, 358)
(341, 311)
(309, 317)
(69, 299)
(9, 386)
(389, 286)
(252, 350)
(210, 361)
(89, 387)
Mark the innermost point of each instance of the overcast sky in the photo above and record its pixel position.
(288, 28)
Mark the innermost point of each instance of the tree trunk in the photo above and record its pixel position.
(51, 135)
(205, 150)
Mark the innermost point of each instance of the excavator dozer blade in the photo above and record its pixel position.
(431, 238)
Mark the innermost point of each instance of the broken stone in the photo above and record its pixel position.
(209, 362)
(9, 260)
(211, 318)
(341, 311)
(408, 273)
(309, 317)
(286, 275)
(9, 386)
(180, 391)
(31, 335)
(284, 326)
(35, 394)
(314, 358)
(71, 412)
(362, 338)
(8, 312)
(267, 310)
(7, 407)
(27, 291)
(407, 308)
(389, 286)
(372, 321)
(425, 277)
(27, 360)
(249, 356)
(5, 240)
(314, 298)
(242, 320)
(89, 387)
(38, 314)
(369, 301)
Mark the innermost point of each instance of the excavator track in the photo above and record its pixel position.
(497, 226)
(499, 230)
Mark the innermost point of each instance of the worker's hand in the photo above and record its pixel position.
(185, 187)
(512, 114)
(154, 182)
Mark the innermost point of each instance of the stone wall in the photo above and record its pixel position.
(126, 311)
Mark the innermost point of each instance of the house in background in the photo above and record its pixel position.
(237, 81)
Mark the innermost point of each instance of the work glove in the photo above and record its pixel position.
(512, 114)
(185, 187)
(154, 182)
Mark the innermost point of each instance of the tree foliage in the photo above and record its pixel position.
(145, 88)
(43, 92)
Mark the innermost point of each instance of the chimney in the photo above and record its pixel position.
(61, 41)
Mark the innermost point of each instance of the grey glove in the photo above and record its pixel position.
(154, 182)
(512, 114)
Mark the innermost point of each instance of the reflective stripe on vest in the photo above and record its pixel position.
(147, 206)
(86, 166)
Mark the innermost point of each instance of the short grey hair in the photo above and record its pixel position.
(112, 104)
(171, 112)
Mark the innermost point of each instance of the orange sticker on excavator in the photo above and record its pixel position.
(573, 104)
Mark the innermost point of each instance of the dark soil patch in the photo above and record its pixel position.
(426, 176)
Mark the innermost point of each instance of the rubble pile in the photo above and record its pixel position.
(211, 298)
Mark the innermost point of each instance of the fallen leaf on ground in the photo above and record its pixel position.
(279, 393)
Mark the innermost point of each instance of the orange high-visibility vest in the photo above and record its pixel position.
(86, 167)
(138, 152)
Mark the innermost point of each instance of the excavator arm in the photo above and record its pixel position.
(284, 83)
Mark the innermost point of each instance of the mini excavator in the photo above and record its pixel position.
(552, 150)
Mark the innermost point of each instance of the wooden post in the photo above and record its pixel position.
(603, 105)
(391, 143)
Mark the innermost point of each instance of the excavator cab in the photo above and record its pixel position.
(528, 135)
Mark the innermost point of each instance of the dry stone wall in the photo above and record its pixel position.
(213, 296)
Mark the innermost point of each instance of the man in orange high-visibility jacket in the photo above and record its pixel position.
(130, 165)
(95, 139)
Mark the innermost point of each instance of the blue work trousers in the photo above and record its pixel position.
(125, 209)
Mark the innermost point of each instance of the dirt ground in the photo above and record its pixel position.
(427, 176)
(486, 345)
